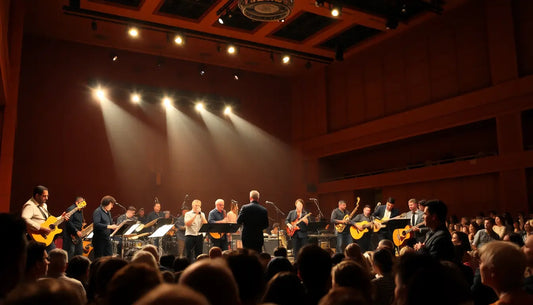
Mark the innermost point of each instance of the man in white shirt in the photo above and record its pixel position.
(194, 240)
(57, 268)
(35, 212)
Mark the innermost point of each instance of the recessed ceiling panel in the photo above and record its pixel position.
(128, 3)
(235, 19)
(303, 27)
(403, 9)
(190, 9)
(350, 37)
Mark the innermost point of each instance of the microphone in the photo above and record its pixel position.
(234, 201)
(314, 199)
(269, 202)
(120, 205)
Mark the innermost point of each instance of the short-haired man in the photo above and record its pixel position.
(103, 226)
(361, 222)
(194, 240)
(72, 242)
(128, 216)
(416, 217)
(155, 214)
(254, 219)
(337, 217)
(438, 242)
(57, 268)
(218, 215)
(386, 212)
(35, 212)
(300, 237)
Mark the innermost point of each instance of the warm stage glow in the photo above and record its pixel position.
(335, 12)
(133, 32)
(286, 59)
(199, 107)
(167, 102)
(100, 94)
(232, 50)
(135, 98)
(227, 110)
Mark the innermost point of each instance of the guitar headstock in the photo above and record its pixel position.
(357, 203)
(80, 205)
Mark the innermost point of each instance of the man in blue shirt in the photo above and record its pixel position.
(218, 215)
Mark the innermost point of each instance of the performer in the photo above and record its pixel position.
(218, 215)
(359, 222)
(103, 226)
(156, 213)
(35, 213)
(385, 212)
(416, 217)
(180, 233)
(72, 242)
(337, 217)
(194, 240)
(254, 219)
(300, 238)
(141, 217)
(234, 210)
(128, 216)
(232, 218)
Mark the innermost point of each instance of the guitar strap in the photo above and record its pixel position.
(43, 212)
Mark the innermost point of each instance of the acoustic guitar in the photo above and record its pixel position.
(294, 225)
(53, 224)
(399, 236)
(356, 233)
(340, 226)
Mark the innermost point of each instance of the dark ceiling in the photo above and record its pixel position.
(309, 34)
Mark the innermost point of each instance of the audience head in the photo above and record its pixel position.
(383, 261)
(105, 271)
(344, 296)
(353, 275)
(215, 252)
(36, 261)
(277, 265)
(180, 263)
(167, 261)
(280, 251)
(213, 279)
(58, 262)
(130, 283)
(314, 268)
(337, 258)
(502, 266)
(435, 212)
(44, 292)
(248, 274)
(168, 294)
(78, 268)
(284, 288)
(152, 249)
(12, 270)
(145, 257)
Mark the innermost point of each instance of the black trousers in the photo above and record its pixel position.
(222, 243)
(102, 247)
(297, 243)
(72, 248)
(193, 246)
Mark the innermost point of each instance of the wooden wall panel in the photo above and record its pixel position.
(523, 25)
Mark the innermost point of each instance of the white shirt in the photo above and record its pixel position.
(33, 215)
(194, 228)
(386, 215)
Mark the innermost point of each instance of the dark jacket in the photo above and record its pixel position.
(439, 245)
(101, 220)
(254, 219)
(380, 211)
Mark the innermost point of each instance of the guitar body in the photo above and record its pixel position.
(47, 239)
(341, 226)
(294, 225)
(356, 233)
(216, 235)
(399, 236)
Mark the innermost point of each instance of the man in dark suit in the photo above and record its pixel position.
(72, 242)
(254, 219)
(438, 241)
(385, 212)
(103, 226)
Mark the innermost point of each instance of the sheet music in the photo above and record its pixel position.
(161, 231)
(90, 236)
(132, 228)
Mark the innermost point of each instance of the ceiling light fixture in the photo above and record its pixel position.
(231, 49)
(178, 39)
(133, 32)
(286, 59)
(266, 10)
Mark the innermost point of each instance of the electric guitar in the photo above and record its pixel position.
(84, 232)
(340, 226)
(294, 225)
(53, 224)
(399, 236)
(356, 233)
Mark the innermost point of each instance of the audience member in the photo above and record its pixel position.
(276, 265)
(314, 268)
(145, 257)
(284, 288)
(58, 266)
(351, 274)
(44, 292)
(14, 261)
(167, 294)
(130, 283)
(36, 261)
(248, 274)
(383, 292)
(78, 268)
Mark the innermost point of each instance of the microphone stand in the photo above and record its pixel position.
(279, 212)
(320, 215)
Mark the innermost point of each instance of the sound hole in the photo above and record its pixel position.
(52, 226)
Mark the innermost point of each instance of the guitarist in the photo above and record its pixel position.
(365, 241)
(35, 213)
(72, 234)
(218, 215)
(385, 212)
(300, 238)
(337, 217)
(415, 217)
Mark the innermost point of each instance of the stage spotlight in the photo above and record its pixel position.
(167, 102)
(133, 32)
(135, 98)
(235, 76)
(231, 49)
(227, 110)
(286, 59)
(178, 39)
(220, 20)
(335, 11)
(99, 94)
(114, 56)
(199, 107)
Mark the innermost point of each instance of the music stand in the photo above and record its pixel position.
(159, 233)
(316, 226)
(219, 228)
(120, 231)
